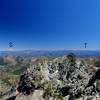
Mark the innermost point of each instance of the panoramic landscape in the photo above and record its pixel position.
(49, 50)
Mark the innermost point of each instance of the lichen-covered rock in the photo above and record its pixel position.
(63, 78)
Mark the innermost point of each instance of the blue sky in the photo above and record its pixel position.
(50, 24)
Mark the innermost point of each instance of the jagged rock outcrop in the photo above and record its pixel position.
(63, 78)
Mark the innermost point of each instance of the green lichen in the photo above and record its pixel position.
(72, 96)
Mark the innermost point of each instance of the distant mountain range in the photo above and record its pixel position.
(56, 53)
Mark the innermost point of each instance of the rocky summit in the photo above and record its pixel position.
(62, 78)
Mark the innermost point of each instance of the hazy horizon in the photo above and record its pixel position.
(47, 50)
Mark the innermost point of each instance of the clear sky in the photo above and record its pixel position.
(50, 24)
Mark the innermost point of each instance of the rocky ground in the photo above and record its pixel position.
(63, 78)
